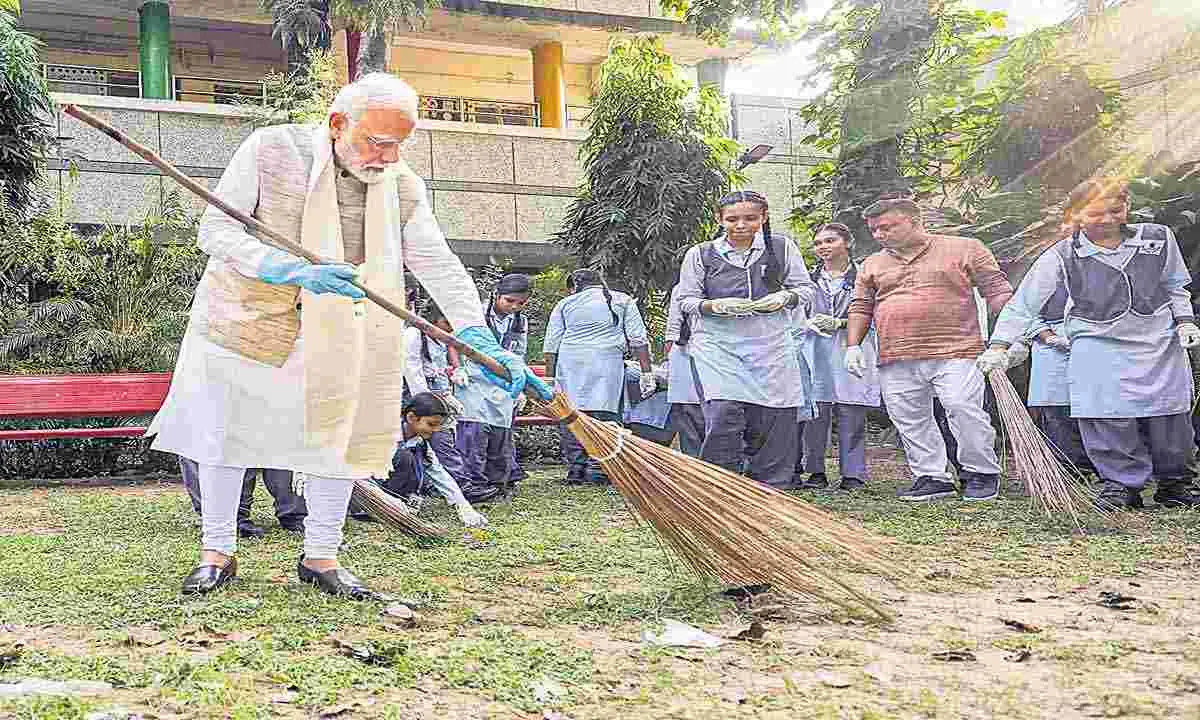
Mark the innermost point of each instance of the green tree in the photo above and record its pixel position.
(26, 113)
(655, 161)
(298, 97)
(11, 6)
(303, 26)
(119, 300)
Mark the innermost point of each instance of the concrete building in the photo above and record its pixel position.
(504, 89)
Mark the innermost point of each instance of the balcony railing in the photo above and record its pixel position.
(93, 80)
(475, 110)
(219, 90)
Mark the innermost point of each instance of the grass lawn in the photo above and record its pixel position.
(541, 616)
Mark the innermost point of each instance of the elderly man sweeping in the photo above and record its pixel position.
(284, 364)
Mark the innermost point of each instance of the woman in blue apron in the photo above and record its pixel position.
(427, 369)
(687, 415)
(1129, 321)
(507, 321)
(586, 338)
(836, 391)
(740, 291)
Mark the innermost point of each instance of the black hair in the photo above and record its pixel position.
(839, 228)
(775, 280)
(426, 404)
(585, 278)
(433, 313)
(510, 284)
(904, 206)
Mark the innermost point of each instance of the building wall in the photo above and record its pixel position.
(479, 74)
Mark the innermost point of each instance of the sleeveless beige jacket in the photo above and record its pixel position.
(247, 316)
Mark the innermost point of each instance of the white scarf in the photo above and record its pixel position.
(353, 351)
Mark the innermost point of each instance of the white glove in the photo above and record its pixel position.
(992, 359)
(824, 323)
(1058, 342)
(856, 362)
(1017, 354)
(774, 302)
(1189, 334)
(452, 403)
(731, 307)
(470, 517)
(522, 401)
(460, 377)
(647, 384)
(811, 327)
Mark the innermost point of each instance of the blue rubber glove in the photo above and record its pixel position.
(533, 381)
(281, 268)
(482, 339)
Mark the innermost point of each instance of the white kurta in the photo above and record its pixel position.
(225, 409)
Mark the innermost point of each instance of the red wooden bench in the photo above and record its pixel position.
(119, 395)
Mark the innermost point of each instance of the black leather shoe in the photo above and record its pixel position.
(292, 524)
(247, 529)
(816, 481)
(1177, 494)
(1115, 496)
(478, 494)
(338, 582)
(850, 484)
(206, 578)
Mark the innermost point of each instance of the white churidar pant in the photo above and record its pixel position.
(909, 387)
(328, 500)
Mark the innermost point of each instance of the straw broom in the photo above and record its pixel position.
(723, 525)
(1056, 486)
(392, 511)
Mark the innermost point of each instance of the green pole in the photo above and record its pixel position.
(154, 42)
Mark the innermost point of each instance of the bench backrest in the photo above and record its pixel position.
(66, 396)
(71, 396)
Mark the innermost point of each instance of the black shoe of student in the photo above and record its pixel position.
(927, 488)
(480, 494)
(206, 578)
(1115, 496)
(816, 481)
(292, 524)
(1177, 493)
(338, 582)
(851, 484)
(977, 487)
(247, 529)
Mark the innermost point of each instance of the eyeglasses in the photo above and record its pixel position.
(379, 144)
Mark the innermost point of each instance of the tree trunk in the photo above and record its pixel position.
(353, 41)
(373, 53)
(877, 113)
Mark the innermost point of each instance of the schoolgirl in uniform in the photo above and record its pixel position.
(1128, 319)
(740, 289)
(835, 390)
(586, 339)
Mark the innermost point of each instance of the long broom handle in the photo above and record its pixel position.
(283, 241)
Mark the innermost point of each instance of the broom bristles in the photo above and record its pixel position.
(728, 527)
(1053, 482)
(392, 511)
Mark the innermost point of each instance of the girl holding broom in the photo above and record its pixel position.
(586, 338)
(485, 439)
(739, 290)
(416, 470)
(1129, 321)
(823, 344)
